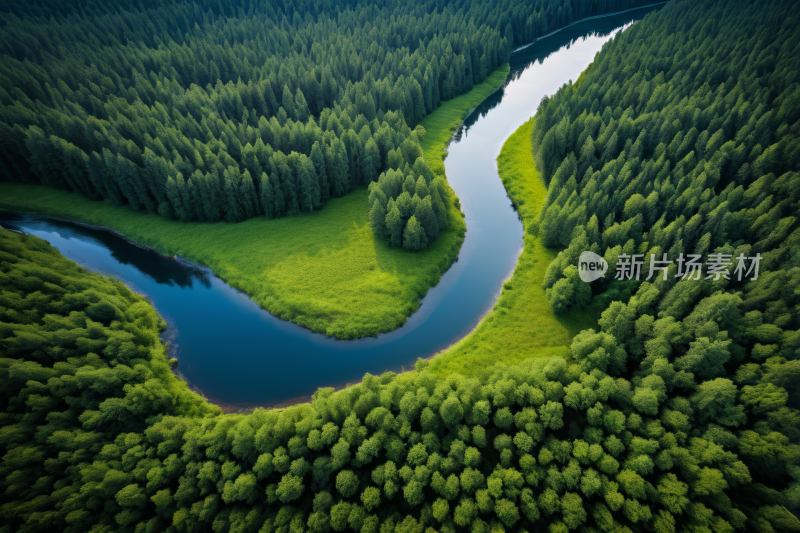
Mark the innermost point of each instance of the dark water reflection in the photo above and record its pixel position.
(239, 355)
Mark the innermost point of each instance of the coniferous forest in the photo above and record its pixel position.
(678, 413)
(202, 110)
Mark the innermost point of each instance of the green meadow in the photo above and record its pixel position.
(325, 271)
(522, 324)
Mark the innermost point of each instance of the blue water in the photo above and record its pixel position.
(238, 355)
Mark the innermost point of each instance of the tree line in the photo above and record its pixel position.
(224, 111)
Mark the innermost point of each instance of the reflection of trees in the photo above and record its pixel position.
(540, 50)
(164, 270)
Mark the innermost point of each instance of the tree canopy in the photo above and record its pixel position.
(201, 110)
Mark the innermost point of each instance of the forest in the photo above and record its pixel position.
(682, 138)
(678, 413)
(210, 111)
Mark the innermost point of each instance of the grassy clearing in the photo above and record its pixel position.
(325, 271)
(522, 324)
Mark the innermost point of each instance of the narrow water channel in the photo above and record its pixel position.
(238, 355)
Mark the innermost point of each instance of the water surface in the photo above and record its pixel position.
(239, 355)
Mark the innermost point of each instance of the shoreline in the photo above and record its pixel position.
(593, 17)
(438, 266)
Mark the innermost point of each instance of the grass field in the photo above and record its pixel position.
(522, 324)
(325, 271)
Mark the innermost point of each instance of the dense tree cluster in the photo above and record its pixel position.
(82, 371)
(686, 425)
(205, 110)
(408, 212)
(682, 138)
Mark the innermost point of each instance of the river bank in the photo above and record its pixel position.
(324, 271)
(522, 325)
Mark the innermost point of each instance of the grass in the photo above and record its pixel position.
(442, 123)
(522, 325)
(324, 271)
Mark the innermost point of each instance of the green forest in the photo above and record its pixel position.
(98, 435)
(683, 137)
(678, 413)
(230, 110)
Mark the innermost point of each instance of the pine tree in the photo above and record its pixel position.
(394, 224)
(301, 106)
(176, 199)
(377, 219)
(267, 196)
(288, 103)
(233, 209)
(249, 200)
(414, 237)
(318, 159)
(370, 161)
(427, 218)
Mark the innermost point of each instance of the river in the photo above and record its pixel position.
(238, 355)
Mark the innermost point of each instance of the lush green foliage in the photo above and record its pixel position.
(97, 435)
(83, 374)
(522, 324)
(682, 138)
(406, 212)
(325, 271)
(359, 286)
(677, 414)
(209, 111)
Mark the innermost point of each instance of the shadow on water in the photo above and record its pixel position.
(239, 356)
(162, 269)
(538, 51)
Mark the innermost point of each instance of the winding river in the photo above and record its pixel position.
(238, 355)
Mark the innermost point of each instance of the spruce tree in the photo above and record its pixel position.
(216, 204)
(427, 218)
(421, 188)
(318, 159)
(233, 211)
(405, 205)
(370, 161)
(267, 196)
(301, 106)
(414, 237)
(439, 209)
(288, 103)
(249, 199)
(309, 194)
(342, 170)
(410, 185)
(394, 224)
(175, 198)
(377, 219)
